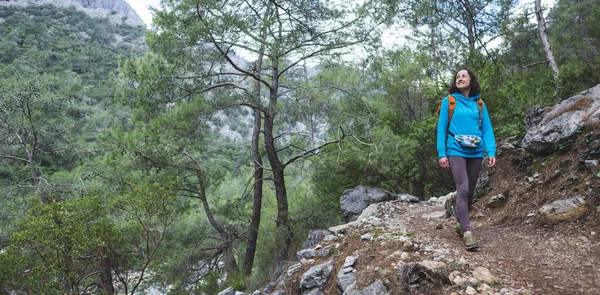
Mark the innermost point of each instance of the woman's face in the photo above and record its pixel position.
(463, 80)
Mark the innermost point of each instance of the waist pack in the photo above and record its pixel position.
(468, 141)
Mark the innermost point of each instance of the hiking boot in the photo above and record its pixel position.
(458, 231)
(469, 241)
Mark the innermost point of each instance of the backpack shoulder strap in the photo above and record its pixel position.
(480, 105)
(451, 107)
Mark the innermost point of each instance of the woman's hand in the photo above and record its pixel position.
(492, 162)
(444, 162)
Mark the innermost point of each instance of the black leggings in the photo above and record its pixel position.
(465, 172)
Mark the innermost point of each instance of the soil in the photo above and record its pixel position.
(529, 260)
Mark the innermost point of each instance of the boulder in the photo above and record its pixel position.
(546, 129)
(354, 201)
(316, 277)
(564, 210)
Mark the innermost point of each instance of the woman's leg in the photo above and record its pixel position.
(473, 168)
(458, 166)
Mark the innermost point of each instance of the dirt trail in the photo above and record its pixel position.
(534, 261)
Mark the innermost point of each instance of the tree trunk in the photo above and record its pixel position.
(226, 248)
(106, 280)
(580, 20)
(310, 119)
(258, 179)
(434, 54)
(280, 189)
(277, 167)
(546, 44)
(34, 175)
(470, 25)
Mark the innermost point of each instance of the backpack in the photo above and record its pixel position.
(452, 106)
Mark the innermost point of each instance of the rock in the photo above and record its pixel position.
(377, 288)
(482, 274)
(450, 204)
(591, 165)
(496, 201)
(316, 236)
(326, 251)
(316, 276)
(346, 277)
(350, 261)
(484, 288)
(313, 292)
(459, 281)
(434, 215)
(433, 265)
(408, 198)
(432, 201)
(564, 210)
(269, 289)
(294, 268)
(228, 291)
(545, 130)
(408, 246)
(470, 291)
(354, 201)
(504, 147)
(367, 236)
(306, 254)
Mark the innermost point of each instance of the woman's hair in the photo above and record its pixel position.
(474, 84)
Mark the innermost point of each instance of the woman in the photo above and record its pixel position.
(462, 143)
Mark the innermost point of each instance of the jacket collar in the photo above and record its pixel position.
(462, 97)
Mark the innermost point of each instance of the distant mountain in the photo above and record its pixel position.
(117, 11)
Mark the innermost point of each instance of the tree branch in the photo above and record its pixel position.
(13, 158)
(308, 153)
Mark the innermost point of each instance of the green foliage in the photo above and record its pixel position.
(123, 172)
(58, 246)
(396, 149)
(52, 251)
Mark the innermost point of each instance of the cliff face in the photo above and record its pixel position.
(116, 11)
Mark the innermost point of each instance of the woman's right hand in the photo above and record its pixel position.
(444, 163)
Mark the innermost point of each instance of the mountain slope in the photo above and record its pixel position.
(117, 11)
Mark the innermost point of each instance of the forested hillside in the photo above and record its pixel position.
(178, 166)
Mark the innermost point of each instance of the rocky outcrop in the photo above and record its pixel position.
(374, 255)
(117, 11)
(547, 129)
(354, 201)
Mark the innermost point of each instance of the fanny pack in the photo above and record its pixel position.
(468, 141)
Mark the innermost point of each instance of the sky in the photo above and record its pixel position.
(141, 7)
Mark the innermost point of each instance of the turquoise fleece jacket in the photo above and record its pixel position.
(465, 121)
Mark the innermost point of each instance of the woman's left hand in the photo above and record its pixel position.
(492, 162)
